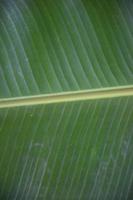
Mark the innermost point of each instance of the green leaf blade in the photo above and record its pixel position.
(72, 150)
(74, 56)
(53, 47)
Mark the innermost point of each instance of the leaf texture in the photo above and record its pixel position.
(53, 46)
(66, 150)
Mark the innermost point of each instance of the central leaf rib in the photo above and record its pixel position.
(103, 93)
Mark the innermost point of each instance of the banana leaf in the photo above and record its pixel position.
(66, 100)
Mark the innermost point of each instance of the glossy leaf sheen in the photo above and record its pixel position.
(76, 150)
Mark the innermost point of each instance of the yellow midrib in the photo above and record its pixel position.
(103, 93)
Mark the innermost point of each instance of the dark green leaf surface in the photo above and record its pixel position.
(67, 151)
(54, 46)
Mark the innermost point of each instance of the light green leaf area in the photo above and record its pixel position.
(75, 56)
